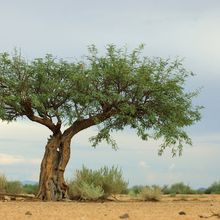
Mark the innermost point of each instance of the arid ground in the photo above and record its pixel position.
(179, 207)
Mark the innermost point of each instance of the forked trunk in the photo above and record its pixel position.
(52, 185)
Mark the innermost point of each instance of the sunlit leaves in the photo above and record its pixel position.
(146, 94)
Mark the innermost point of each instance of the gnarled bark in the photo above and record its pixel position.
(52, 185)
(63, 160)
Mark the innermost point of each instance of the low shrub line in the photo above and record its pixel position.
(16, 187)
(93, 185)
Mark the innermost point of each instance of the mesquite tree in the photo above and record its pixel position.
(115, 90)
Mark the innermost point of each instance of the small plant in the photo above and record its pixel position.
(91, 192)
(14, 187)
(3, 183)
(214, 188)
(112, 181)
(90, 184)
(178, 188)
(172, 194)
(151, 193)
(85, 191)
(30, 189)
(135, 190)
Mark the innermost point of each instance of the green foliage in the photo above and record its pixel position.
(214, 188)
(30, 189)
(178, 188)
(90, 184)
(113, 181)
(89, 191)
(115, 90)
(152, 193)
(172, 194)
(135, 190)
(3, 183)
(14, 187)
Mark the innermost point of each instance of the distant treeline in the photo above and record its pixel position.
(107, 181)
(16, 187)
(180, 188)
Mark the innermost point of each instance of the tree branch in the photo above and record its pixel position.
(78, 126)
(28, 111)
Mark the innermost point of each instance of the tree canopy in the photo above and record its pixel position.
(116, 90)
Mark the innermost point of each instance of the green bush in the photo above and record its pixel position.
(85, 191)
(166, 189)
(90, 191)
(3, 183)
(214, 188)
(135, 190)
(151, 193)
(172, 194)
(90, 184)
(112, 181)
(30, 189)
(178, 188)
(14, 187)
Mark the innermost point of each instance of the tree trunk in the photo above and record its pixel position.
(52, 185)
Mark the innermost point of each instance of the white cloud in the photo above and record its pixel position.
(36, 161)
(10, 159)
(23, 130)
(7, 159)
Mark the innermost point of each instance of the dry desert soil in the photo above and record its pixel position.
(169, 208)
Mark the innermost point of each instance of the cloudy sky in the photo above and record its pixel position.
(189, 29)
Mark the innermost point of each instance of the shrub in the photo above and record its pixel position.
(178, 188)
(85, 191)
(214, 188)
(165, 189)
(172, 194)
(14, 187)
(73, 190)
(135, 190)
(30, 189)
(3, 183)
(112, 181)
(152, 193)
(90, 184)
(90, 191)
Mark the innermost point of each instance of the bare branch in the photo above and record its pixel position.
(78, 126)
(28, 111)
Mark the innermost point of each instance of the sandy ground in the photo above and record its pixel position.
(167, 209)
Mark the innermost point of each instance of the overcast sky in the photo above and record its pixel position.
(169, 28)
